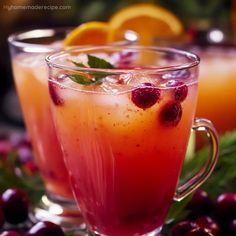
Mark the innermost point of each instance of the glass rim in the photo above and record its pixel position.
(194, 59)
(16, 38)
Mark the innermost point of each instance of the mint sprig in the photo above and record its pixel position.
(97, 76)
(96, 62)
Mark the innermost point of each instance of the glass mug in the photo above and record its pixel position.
(28, 52)
(124, 132)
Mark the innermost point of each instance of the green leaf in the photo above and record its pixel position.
(96, 62)
(93, 62)
(81, 79)
(99, 75)
(79, 64)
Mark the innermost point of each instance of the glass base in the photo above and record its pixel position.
(155, 232)
(60, 211)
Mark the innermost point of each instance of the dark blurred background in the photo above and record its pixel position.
(196, 15)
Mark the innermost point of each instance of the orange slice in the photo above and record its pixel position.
(93, 32)
(149, 21)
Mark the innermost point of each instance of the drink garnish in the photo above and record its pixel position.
(145, 96)
(91, 77)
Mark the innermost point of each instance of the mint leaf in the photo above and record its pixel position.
(93, 62)
(79, 64)
(81, 79)
(96, 62)
(99, 74)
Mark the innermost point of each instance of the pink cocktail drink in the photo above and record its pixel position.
(30, 75)
(124, 137)
(28, 52)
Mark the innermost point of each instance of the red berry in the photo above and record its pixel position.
(146, 96)
(208, 223)
(45, 228)
(180, 89)
(171, 113)
(54, 94)
(200, 204)
(2, 218)
(225, 207)
(199, 232)
(232, 227)
(10, 233)
(15, 205)
(5, 148)
(182, 228)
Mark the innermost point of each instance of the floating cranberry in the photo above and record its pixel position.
(200, 204)
(45, 228)
(208, 223)
(15, 205)
(181, 228)
(225, 207)
(171, 113)
(146, 96)
(54, 94)
(180, 90)
(10, 233)
(199, 232)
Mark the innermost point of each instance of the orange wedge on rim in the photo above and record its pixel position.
(93, 32)
(149, 21)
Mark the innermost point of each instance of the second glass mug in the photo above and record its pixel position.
(28, 51)
(124, 129)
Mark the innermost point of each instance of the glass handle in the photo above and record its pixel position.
(201, 124)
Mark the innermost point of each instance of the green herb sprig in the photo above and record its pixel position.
(97, 77)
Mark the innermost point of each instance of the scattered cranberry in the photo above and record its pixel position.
(54, 95)
(182, 228)
(232, 227)
(10, 233)
(146, 96)
(208, 223)
(5, 148)
(45, 228)
(225, 207)
(200, 204)
(2, 218)
(30, 167)
(15, 204)
(24, 154)
(171, 113)
(180, 90)
(199, 232)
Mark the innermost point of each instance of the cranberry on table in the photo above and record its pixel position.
(200, 204)
(225, 207)
(15, 204)
(183, 227)
(208, 223)
(2, 218)
(10, 233)
(199, 232)
(45, 228)
(232, 227)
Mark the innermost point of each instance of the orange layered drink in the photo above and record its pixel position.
(28, 52)
(217, 97)
(123, 116)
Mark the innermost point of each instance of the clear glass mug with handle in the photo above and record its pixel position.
(123, 116)
(28, 51)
